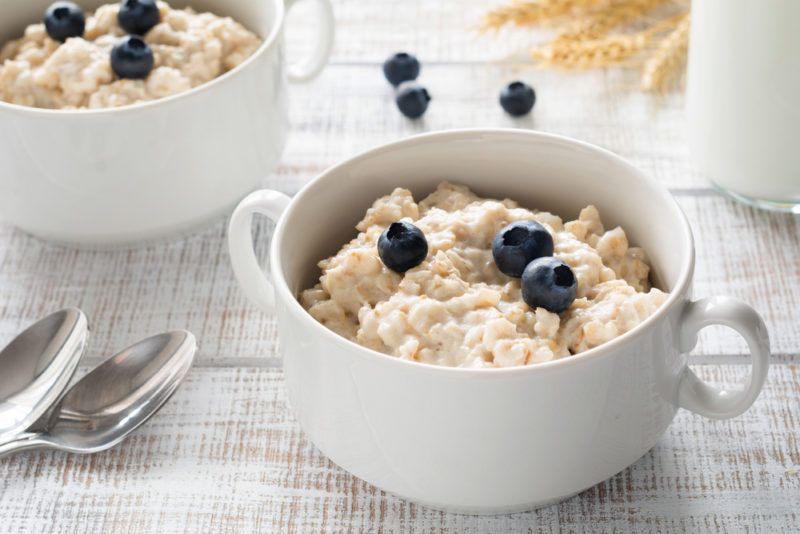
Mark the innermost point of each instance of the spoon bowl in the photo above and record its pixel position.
(115, 398)
(36, 367)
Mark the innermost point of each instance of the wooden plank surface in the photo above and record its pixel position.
(236, 461)
(350, 108)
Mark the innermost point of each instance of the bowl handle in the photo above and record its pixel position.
(307, 68)
(255, 282)
(718, 403)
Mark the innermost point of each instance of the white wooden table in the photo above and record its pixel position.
(225, 454)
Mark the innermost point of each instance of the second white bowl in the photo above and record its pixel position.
(112, 177)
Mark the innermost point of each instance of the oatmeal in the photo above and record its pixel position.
(188, 48)
(456, 308)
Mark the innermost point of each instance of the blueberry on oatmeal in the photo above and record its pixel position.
(402, 246)
(518, 244)
(549, 283)
(63, 20)
(132, 58)
(137, 17)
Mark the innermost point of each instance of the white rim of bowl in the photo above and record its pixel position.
(607, 349)
(267, 43)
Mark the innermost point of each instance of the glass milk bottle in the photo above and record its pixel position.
(743, 97)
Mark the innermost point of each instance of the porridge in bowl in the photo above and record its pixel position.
(459, 280)
(134, 51)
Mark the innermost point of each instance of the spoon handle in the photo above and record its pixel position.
(26, 441)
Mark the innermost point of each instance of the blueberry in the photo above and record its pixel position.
(518, 244)
(400, 68)
(64, 20)
(548, 283)
(132, 58)
(517, 98)
(402, 246)
(412, 99)
(138, 16)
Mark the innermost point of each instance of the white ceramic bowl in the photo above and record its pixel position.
(490, 440)
(114, 177)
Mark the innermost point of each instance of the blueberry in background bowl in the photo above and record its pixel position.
(63, 20)
(138, 16)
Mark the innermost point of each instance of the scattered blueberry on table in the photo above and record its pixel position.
(137, 17)
(402, 246)
(549, 283)
(412, 99)
(63, 20)
(132, 58)
(401, 67)
(518, 244)
(517, 98)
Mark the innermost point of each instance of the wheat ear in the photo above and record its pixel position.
(527, 12)
(603, 52)
(668, 58)
(599, 23)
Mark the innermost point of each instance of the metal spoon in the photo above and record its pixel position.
(36, 367)
(112, 400)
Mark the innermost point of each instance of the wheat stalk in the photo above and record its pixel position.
(668, 58)
(595, 53)
(527, 12)
(585, 43)
(590, 54)
(599, 23)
